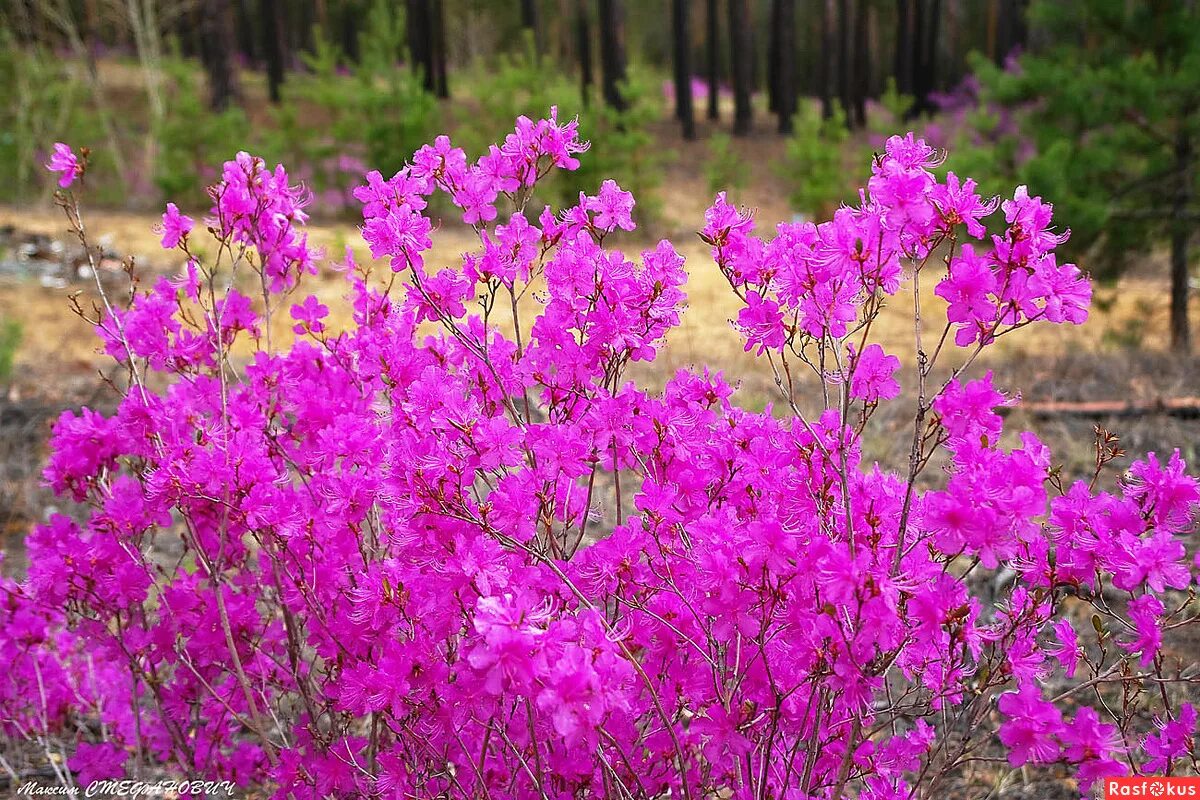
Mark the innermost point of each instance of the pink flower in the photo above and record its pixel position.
(1145, 612)
(308, 315)
(1092, 745)
(1066, 647)
(761, 323)
(871, 375)
(613, 207)
(476, 196)
(968, 411)
(1031, 728)
(175, 227)
(63, 160)
(1172, 740)
(1165, 490)
(959, 204)
(96, 762)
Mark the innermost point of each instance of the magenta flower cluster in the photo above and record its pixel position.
(449, 548)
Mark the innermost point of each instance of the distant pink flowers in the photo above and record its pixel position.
(64, 162)
(446, 543)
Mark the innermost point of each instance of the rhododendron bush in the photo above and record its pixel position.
(450, 549)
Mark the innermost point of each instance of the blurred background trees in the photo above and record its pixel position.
(1090, 102)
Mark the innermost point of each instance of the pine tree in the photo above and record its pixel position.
(1111, 105)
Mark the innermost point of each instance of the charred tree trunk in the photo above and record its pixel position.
(926, 23)
(1181, 338)
(903, 68)
(741, 64)
(683, 68)
(712, 24)
(530, 22)
(304, 20)
(612, 52)
(270, 24)
(583, 32)
(861, 59)
(92, 35)
(827, 72)
(217, 47)
(845, 66)
(1005, 35)
(349, 15)
(773, 59)
(785, 64)
(437, 40)
(929, 68)
(420, 36)
(244, 33)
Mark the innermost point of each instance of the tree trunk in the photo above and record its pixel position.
(862, 63)
(683, 68)
(1181, 340)
(612, 52)
(930, 68)
(827, 71)
(991, 32)
(303, 20)
(217, 43)
(740, 61)
(926, 25)
(904, 47)
(420, 45)
(530, 22)
(349, 17)
(243, 33)
(91, 32)
(271, 25)
(845, 66)
(583, 33)
(785, 66)
(713, 46)
(952, 67)
(437, 38)
(773, 59)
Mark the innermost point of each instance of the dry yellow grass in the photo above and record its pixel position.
(55, 340)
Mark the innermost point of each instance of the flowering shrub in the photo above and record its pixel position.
(370, 563)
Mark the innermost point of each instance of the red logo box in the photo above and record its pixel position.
(1152, 788)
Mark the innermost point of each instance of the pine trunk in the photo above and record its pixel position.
(904, 47)
(1181, 338)
(713, 47)
(845, 33)
(862, 63)
(583, 33)
(612, 52)
(530, 22)
(827, 72)
(785, 64)
(270, 25)
(683, 68)
(420, 46)
(437, 38)
(740, 62)
(773, 59)
(217, 45)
